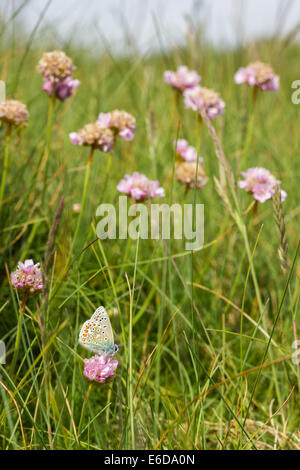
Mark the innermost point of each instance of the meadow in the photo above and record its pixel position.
(205, 337)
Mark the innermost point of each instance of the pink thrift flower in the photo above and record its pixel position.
(186, 173)
(65, 88)
(182, 79)
(261, 183)
(138, 186)
(186, 151)
(94, 135)
(200, 98)
(99, 368)
(13, 113)
(258, 74)
(121, 123)
(28, 277)
(57, 69)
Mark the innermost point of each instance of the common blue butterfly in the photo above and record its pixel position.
(96, 334)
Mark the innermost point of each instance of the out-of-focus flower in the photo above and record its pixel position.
(76, 208)
(94, 135)
(200, 98)
(57, 68)
(63, 89)
(258, 74)
(100, 368)
(182, 79)
(186, 173)
(13, 113)
(261, 183)
(28, 277)
(138, 186)
(121, 122)
(186, 151)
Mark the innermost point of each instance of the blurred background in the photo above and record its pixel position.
(146, 25)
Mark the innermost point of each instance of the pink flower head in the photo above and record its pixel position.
(28, 277)
(63, 89)
(122, 123)
(100, 368)
(182, 79)
(138, 186)
(94, 135)
(258, 74)
(186, 151)
(186, 173)
(261, 183)
(200, 98)
(57, 68)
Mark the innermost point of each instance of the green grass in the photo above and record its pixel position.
(195, 372)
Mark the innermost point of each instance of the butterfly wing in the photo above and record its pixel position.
(96, 334)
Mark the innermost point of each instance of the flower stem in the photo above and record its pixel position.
(83, 202)
(250, 127)
(5, 168)
(51, 108)
(18, 336)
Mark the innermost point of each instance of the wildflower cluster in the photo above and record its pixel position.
(191, 174)
(138, 186)
(28, 277)
(195, 96)
(182, 79)
(261, 183)
(13, 113)
(121, 123)
(260, 75)
(57, 69)
(200, 98)
(186, 151)
(100, 368)
(94, 135)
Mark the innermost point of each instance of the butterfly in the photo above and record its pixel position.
(96, 334)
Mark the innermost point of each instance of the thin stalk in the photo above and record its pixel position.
(51, 108)
(83, 202)
(130, 391)
(44, 160)
(5, 167)
(250, 127)
(18, 335)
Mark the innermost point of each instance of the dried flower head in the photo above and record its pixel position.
(261, 183)
(28, 277)
(182, 79)
(121, 122)
(200, 98)
(186, 173)
(57, 68)
(100, 368)
(258, 74)
(56, 65)
(13, 113)
(186, 151)
(138, 186)
(94, 135)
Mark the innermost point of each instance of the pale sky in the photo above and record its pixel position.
(226, 21)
